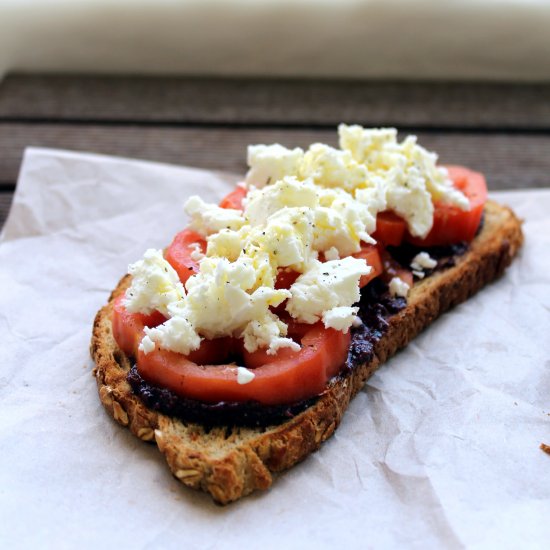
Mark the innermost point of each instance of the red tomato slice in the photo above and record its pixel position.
(178, 254)
(286, 278)
(284, 378)
(370, 253)
(128, 327)
(296, 331)
(452, 225)
(234, 199)
(128, 332)
(390, 228)
(215, 352)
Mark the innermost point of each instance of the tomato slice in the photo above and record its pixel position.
(128, 327)
(296, 330)
(286, 278)
(215, 352)
(452, 225)
(178, 254)
(128, 332)
(283, 378)
(371, 254)
(390, 228)
(234, 199)
(286, 377)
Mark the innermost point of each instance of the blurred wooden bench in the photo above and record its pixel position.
(500, 129)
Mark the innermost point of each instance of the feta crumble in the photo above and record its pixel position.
(300, 205)
(423, 261)
(398, 287)
(244, 375)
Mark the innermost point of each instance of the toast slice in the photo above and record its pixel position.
(230, 462)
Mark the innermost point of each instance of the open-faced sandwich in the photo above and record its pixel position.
(238, 348)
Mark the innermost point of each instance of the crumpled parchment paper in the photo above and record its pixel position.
(441, 448)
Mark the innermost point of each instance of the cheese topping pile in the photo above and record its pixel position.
(300, 204)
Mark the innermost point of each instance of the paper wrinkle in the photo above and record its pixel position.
(112, 185)
(440, 449)
(418, 490)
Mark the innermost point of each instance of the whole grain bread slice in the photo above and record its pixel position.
(230, 462)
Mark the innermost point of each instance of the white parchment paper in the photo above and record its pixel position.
(441, 449)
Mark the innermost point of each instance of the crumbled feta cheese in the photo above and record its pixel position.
(225, 243)
(337, 219)
(271, 163)
(176, 334)
(423, 261)
(196, 252)
(224, 297)
(325, 286)
(409, 173)
(287, 193)
(210, 218)
(146, 345)
(362, 143)
(407, 196)
(299, 206)
(418, 274)
(222, 300)
(266, 333)
(373, 199)
(155, 285)
(398, 287)
(287, 237)
(329, 167)
(244, 376)
(341, 222)
(340, 318)
(443, 189)
(332, 254)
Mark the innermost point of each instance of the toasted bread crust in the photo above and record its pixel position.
(229, 463)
